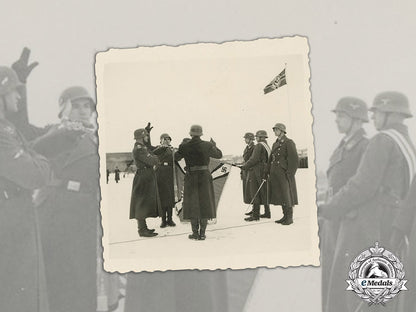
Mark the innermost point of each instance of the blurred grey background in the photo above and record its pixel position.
(357, 48)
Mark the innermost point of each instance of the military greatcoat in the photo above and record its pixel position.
(21, 266)
(256, 168)
(366, 207)
(165, 178)
(343, 165)
(283, 163)
(199, 199)
(145, 201)
(248, 151)
(68, 213)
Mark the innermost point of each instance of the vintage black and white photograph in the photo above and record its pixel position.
(207, 156)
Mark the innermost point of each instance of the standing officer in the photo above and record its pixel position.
(351, 113)
(367, 205)
(248, 151)
(199, 200)
(21, 171)
(284, 162)
(256, 167)
(165, 179)
(145, 202)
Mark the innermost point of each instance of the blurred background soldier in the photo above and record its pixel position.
(256, 167)
(284, 162)
(248, 151)
(367, 204)
(350, 113)
(21, 171)
(165, 179)
(145, 201)
(199, 201)
(108, 175)
(117, 174)
(68, 207)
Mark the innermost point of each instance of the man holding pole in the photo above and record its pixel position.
(256, 183)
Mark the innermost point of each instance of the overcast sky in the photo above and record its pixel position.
(219, 87)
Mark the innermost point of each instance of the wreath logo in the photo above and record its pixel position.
(376, 275)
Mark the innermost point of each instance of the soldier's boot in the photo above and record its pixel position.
(289, 216)
(195, 228)
(282, 219)
(266, 213)
(164, 223)
(249, 213)
(143, 229)
(204, 223)
(169, 219)
(256, 212)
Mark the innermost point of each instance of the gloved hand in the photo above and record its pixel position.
(149, 127)
(22, 66)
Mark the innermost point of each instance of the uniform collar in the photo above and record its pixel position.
(399, 127)
(356, 135)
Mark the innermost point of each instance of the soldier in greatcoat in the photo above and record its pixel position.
(351, 113)
(256, 184)
(69, 205)
(248, 151)
(199, 198)
(145, 201)
(283, 163)
(165, 179)
(368, 204)
(21, 171)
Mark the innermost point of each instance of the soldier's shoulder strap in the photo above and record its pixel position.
(268, 150)
(406, 148)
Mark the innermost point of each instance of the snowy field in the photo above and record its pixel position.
(231, 242)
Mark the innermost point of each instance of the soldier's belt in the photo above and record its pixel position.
(198, 168)
(143, 168)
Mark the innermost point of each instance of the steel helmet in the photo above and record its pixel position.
(280, 126)
(261, 134)
(165, 135)
(392, 102)
(353, 107)
(71, 94)
(140, 133)
(196, 130)
(8, 80)
(249, 135)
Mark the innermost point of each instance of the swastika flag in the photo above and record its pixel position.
(277, 82)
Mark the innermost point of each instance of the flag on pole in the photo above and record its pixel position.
(277, 82)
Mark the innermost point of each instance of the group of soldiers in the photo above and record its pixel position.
(153, 191)
(368, 198)
(49, 201)
(268, 174)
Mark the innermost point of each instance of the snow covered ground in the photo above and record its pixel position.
(231, 242)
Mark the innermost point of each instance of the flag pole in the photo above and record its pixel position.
(288, 97)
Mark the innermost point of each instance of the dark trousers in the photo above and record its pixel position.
(199, 224)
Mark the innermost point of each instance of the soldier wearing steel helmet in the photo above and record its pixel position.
(248, 151)
(69, 206)
(21, 171)
(367, 205)
(256, 185)
(351, 113)
(283, 163)
(145, 201)
(165, 178)
(199, 198)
